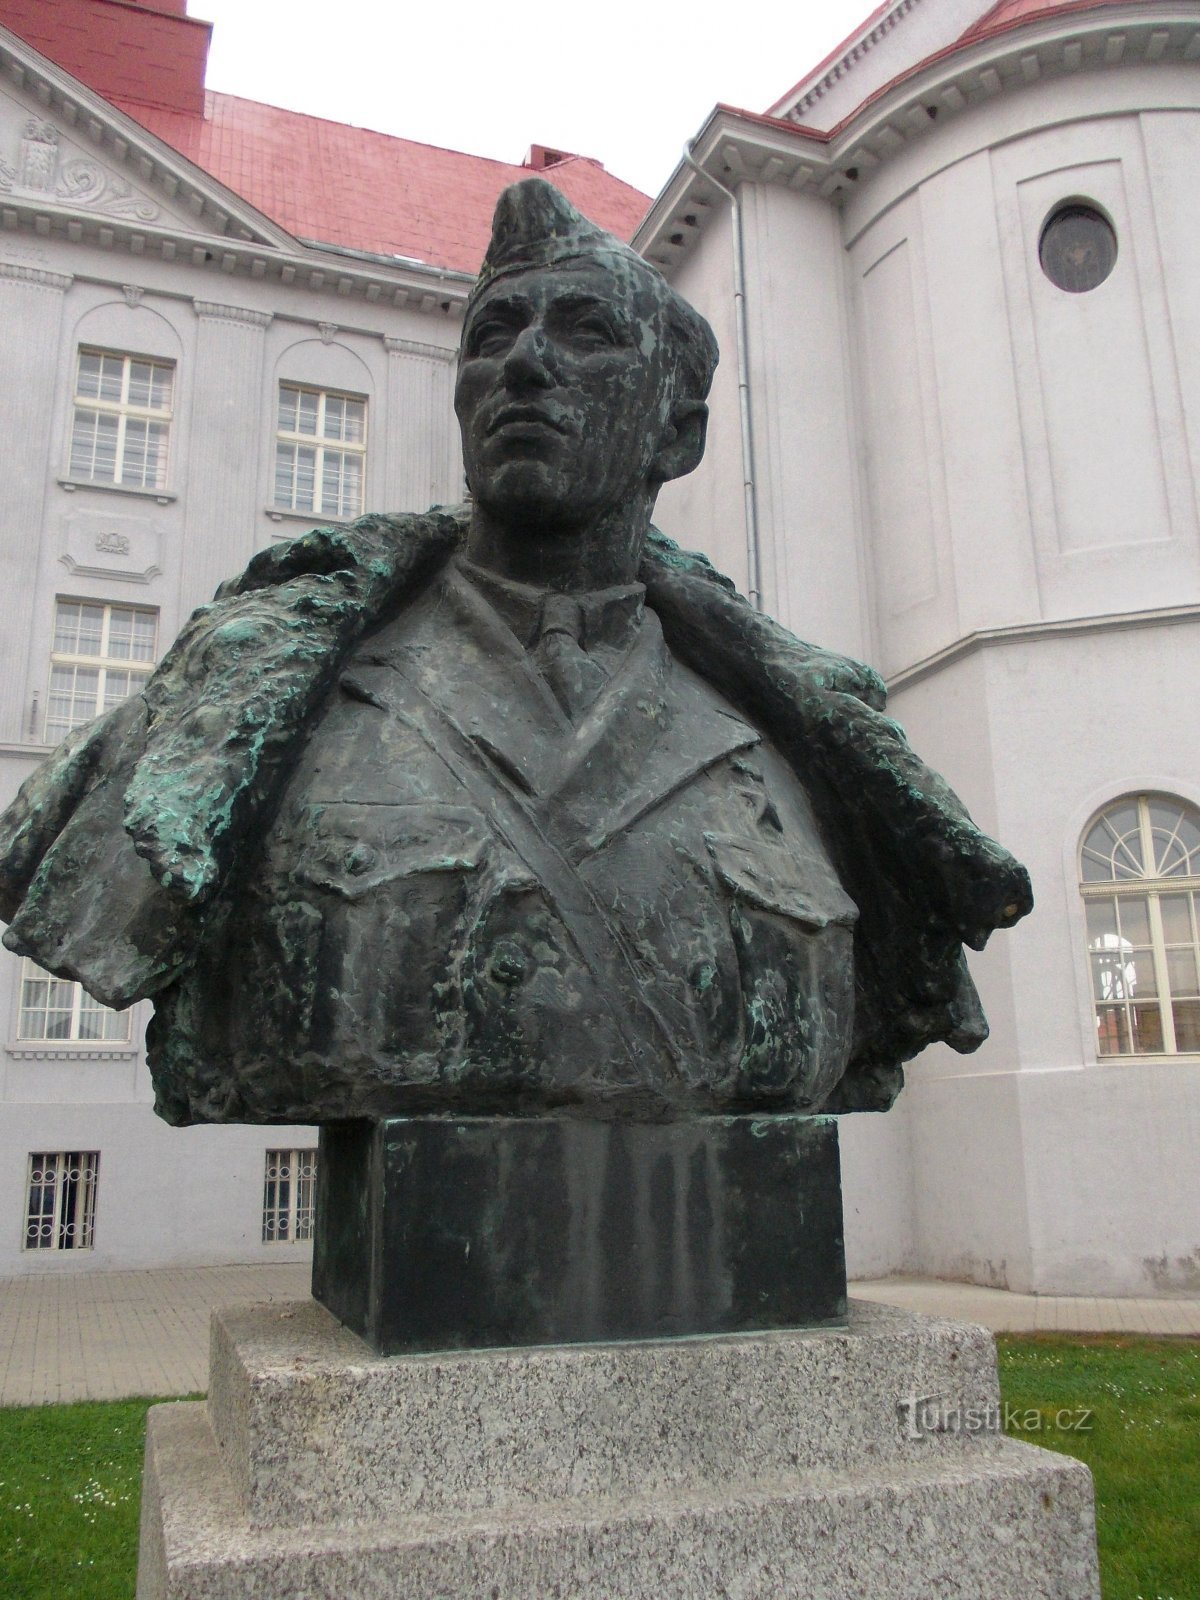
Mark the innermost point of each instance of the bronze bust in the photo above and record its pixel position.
(515, 807)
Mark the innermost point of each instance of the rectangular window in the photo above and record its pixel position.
(289, 1195)
(320, 452)
(60, 1213)
(101, 655)
(122, 420)
(57, 1009)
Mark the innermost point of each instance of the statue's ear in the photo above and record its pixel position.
(683, 441)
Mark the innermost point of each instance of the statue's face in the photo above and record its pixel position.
(563, 394)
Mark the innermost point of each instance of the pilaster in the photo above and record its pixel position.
(422, 463)
(227, 447)
(31, 312)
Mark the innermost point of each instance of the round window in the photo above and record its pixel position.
(1078, 247)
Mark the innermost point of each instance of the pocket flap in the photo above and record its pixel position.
(776, 880)
(358, 846)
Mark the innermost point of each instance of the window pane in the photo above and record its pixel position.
(289, 400)
(1176, 840)
(1134, 913)
(1113, 976)
(112, 370)
(1187, 1025)
(307, 406)
(73, 700)
(1177, 918)
(1112, 1031)
(139, 383)
(1181, 972)
(305, 492)
(78, 628)
(94, 446)
(1101, 923)
(354, 426)
(1140, 975)
(333, 416)
(1146, 1024)
(1113, 846)
(87, 385)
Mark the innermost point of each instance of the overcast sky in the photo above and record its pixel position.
(627, 83)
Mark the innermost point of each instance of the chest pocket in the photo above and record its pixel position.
(357, 848)
(774, 879)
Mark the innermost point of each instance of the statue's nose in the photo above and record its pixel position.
(529, 361)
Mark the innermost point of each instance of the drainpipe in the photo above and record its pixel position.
(753, 582)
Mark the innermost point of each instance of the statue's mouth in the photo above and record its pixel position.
(525, 417)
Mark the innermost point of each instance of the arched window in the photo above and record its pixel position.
(1140, 881)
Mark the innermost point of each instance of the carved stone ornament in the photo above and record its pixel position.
(39, 171)
(133, 293)
(328, 331)
(113, 544)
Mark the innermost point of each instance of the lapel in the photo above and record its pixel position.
(654, 727)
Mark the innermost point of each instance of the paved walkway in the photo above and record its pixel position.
(101, 1336)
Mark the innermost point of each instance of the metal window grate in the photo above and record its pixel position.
(60, 1211)
(289, 1196)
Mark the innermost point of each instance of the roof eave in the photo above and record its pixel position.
(736, 146)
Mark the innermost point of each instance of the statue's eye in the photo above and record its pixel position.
(491, 338)
(591, 328)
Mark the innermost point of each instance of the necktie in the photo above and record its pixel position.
(571, 673)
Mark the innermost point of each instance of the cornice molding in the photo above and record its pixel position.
(37, 277)
(427, 352)
(845, 62)
(213, 311)
(1023, 632)
(740, 147)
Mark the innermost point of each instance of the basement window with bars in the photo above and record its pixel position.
(56, 1010)
(100, 656)
(289, 1196)
(60, 1211)
(122, 421)
(1140, 881)
(320, 452)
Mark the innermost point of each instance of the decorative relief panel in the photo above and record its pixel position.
(39, 168)
(95, 544)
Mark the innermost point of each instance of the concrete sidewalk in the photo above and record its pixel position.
(102, 1336)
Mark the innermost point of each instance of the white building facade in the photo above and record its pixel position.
(183, 383)
(971, 270)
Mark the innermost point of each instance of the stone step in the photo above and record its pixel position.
(308, 1419)
(1002, 1521)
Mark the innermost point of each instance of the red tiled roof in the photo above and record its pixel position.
(1010, 12)
(370, 191)
(144, 50)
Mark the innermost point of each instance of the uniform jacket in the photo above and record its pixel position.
(343, 843)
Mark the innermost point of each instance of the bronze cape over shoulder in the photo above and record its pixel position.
(117, 853)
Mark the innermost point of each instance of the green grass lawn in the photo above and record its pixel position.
(70, 1476)
(1142, 1443)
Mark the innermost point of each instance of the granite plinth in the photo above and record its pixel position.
(761, 1466)
(437, 1233)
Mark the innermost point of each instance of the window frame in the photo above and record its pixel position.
(125, 411)
(297, 1210)
(67, 1232)
(322, 444)
(1149, 887)
(81, 1002)
(102, 663)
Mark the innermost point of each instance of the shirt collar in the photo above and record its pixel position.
(608, 617)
